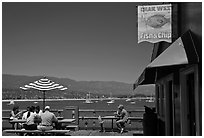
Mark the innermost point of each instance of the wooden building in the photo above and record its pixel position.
(176, 71)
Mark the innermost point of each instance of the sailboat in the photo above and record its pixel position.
(102, 98)
(35, 102)
(128, 100)
(111, 101)
(88, 101)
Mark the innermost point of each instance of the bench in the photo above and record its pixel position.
(39, 132)
(75, 127)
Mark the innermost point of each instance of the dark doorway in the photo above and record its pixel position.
(190, 84)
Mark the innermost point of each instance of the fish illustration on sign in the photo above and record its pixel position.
(157, 21)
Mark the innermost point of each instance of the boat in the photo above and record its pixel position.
(111, 101)
(133, 102)
(88, 101)
(102, 98)
(128, 100)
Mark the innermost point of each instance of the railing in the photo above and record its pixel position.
(88, 118)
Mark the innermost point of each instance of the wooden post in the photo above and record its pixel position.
(43, 100)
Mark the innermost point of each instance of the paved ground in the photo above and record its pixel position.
(93, 133)
(97, 133)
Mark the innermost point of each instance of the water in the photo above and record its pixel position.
(97, 104)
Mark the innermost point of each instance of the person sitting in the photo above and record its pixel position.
(30, 123)
(122, 115)
(26, 114)
(38, 111)
(48, 119)
(15, 115)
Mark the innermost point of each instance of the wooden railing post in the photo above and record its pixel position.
(130, 123)
(94, 123)
(73, 113)
(59, 113)
(86, 124)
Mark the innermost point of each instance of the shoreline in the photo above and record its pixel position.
(57, 99)
(70, 99)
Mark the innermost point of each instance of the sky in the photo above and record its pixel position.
(81, 41)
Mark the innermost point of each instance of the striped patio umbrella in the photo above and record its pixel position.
(44, 85)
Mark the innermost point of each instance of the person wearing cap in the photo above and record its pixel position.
(122, 115)
(48, 119)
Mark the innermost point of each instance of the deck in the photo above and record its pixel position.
(94, 133)
(88, 124)
(97, 133)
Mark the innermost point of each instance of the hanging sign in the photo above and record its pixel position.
(154, 23)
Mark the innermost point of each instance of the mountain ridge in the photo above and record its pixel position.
(10, 81)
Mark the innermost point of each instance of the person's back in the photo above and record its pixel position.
(30, 124)
(38, 111)
(124, 115)
(26, 114)
(48, 119)
(30, 119)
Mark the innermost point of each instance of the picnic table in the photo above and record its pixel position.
(37, 132)
(23, 131)
(59, 121)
